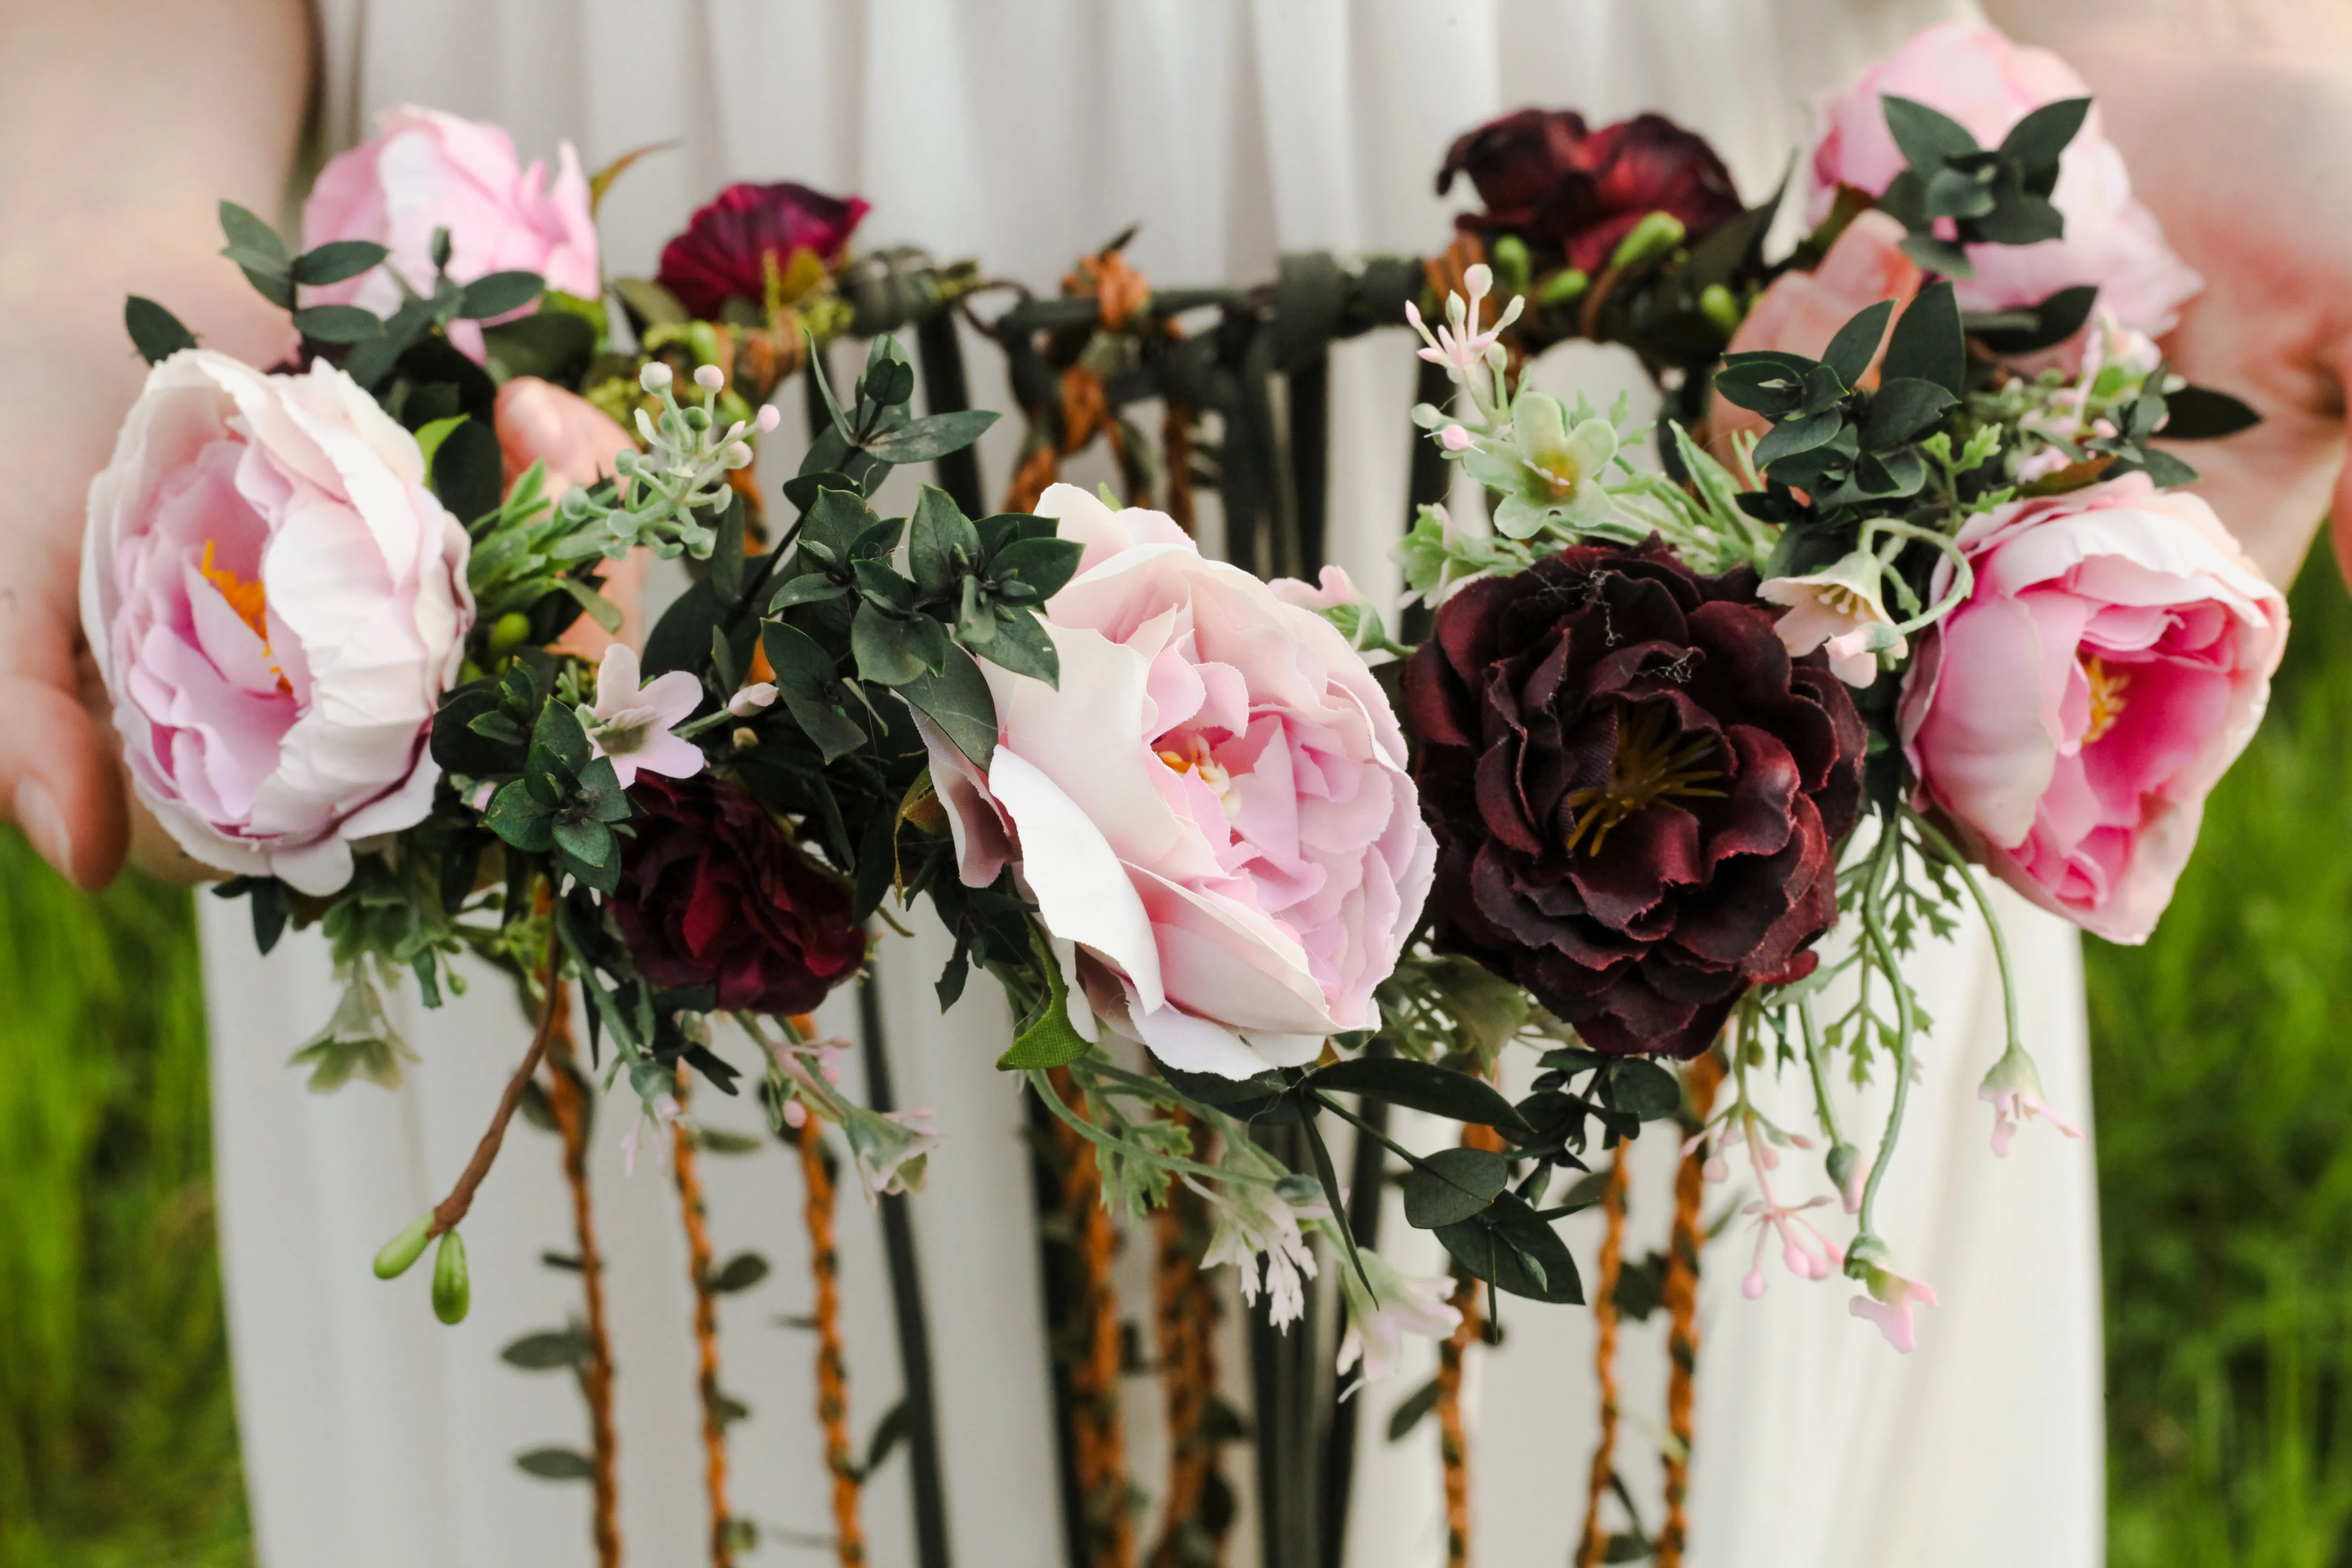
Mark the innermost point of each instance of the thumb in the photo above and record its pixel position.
(59, 782)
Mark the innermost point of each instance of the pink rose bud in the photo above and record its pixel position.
(1454, 439)
(709, 377)
(428, 171)
(2073, 712)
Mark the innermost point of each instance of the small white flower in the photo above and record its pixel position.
(891, 1151)
(1253, 1220)
(1839, 607)
(2013, 1090)
(631, 723)
(1395, 1306)
(664, 1114)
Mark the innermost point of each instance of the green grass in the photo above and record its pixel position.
(118, 1436)
(2222, 1055)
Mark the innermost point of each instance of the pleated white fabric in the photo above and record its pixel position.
(1025, 133)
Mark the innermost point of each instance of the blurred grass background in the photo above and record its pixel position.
(2224, 1104)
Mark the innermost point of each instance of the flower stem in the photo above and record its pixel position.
(1935, 840)
(1874, 922)
(451, 1211)
(1815, 1064)
(567, 1100)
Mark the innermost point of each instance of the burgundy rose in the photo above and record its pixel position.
(723, 253)
(1544, 177)
(1637, 794)
(711, 894)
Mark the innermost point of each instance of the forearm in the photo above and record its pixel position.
(2317, 33)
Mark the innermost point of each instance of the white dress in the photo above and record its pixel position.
(1025, 133)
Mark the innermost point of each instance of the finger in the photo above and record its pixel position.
(58, 780)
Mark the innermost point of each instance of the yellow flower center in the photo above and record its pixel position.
(248, 601)
(1649, 767)
(2108, 688)
(1558, 474)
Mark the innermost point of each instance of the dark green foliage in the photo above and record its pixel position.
(1996, 196)
(154, 332)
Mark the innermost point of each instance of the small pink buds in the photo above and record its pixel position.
(711, 378)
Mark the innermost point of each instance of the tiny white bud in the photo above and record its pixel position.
(752, 698)
(711, 378)
(739, 455)
(1479, 278)
(769, 418)
(654, 377)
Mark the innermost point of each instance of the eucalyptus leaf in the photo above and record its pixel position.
(1928, 344)
(154, 332)
(957, 700)
(932, 438)
(1422, 1085)
(881, 644)
(337, 260)
(1856, 343)
(496, 293)
(1453, 1184)
(337, 323)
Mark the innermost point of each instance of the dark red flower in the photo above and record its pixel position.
(1637, 794)
(711, 894)
(722, 254)
(1544, 177)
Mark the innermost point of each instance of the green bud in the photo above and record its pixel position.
(1843, 1163)
(1716, 303)
(405, 1249)
(1563, 287)
(510, 630)
(1508, 257)
(452, 1291)
(1657, 233)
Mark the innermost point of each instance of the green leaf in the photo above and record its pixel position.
(590, 842)
(1856, 343)
(2201, 414)
(154, 332)
(1643, 1089)
(805, 675)
(2167, 470)
(650, 303)
(1326, 1172)
(1935, 255)
(600, 610)
(2056, 319)
(739, 1272)
(1045, 564)
(1510, 1246)
(1023, 646)
(1422, 1085)
(548, 1351)
(337, 260)
(1798, 435)
(1411, 1412)
(1049, 1039)
(247, 232)
(555, 1465)
(880, 643)
(2036, 141)
(496, 293)
(467, 469)
(958, 700)
(1928, 344)
(941, 543)
(1927, 137)
(932, 438)
(2021, 220)
(553, 345)
(516, 815)
(1903, 410)
(559, 729)
(835, 519)
(897, 1424)
(1451, 1186)
(809, 588)
(338, 324)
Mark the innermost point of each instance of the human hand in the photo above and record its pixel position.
(96, 205)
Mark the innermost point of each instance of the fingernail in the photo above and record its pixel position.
(45, 825)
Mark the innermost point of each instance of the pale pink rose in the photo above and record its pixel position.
(275, 603)
(426, 170)
(539, 422)
(2071, 715)
(1988, 84)
(1212, 812)
(1332, 588)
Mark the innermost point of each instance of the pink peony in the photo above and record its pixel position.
(1988, 84)
(2071, 715)
(275, 603)
(426, 170)
(1212, 812)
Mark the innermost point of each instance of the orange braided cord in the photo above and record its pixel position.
(705, 1337)
(1185, 1319)
(1699, 1084)
(1099, 1436)
(1453, 1438)
(1604, 1360)
(831, 1368)
(568, 1102)
(1121, 293)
